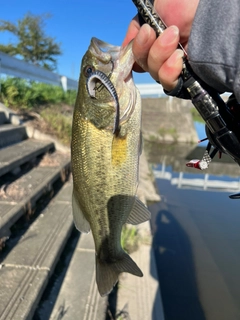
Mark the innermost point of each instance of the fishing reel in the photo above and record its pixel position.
(226, 140)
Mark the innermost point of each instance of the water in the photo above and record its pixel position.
(196, 231)
(200, 128)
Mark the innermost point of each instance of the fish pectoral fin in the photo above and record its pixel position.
(80, 221)
(107, 273)
(139, 213)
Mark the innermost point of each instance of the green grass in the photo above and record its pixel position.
(168, 131)
(130, 238)
(61, 125)
(24, 94)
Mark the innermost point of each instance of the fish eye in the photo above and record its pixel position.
(88, 70)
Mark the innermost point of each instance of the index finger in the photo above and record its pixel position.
(132, 31)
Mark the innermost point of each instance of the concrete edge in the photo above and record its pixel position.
(141, 297)
(12, 117)
(10, 134)
(3, 117)
(27, 204)
(25, 158)
(146, 190)
(38, 135)
(79, 291)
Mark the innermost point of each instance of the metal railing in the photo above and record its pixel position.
(22, 69)
(203, 182)
(150, 89)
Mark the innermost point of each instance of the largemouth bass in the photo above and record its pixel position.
(106, 144)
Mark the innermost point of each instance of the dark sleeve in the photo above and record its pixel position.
(214, 45)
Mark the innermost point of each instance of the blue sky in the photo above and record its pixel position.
(73, 23)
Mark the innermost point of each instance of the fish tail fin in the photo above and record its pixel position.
(107, 273)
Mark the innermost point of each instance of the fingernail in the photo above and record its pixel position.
(179, 53)
(169, 35)
(174, 59)
(143, 34)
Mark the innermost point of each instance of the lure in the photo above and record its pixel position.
(104, 79)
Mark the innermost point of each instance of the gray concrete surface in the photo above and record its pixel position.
(140, 298)
(26, 269)
(168, 120)
(10, 134)
(32, 186)
(9, 115)
(24, 273)
(3, 117)
(14, 156)
(79, 297)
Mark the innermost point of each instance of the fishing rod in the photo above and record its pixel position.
(222, 127)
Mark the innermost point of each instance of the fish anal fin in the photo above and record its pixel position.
(139, 213)
(107, 273)
(80, 221)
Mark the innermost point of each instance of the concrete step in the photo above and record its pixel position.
(25, 271)
(3, 117)
(19, 196)
(10, 134)
(10, 115)
(14, 156)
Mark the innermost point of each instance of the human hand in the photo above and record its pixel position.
(160, 56)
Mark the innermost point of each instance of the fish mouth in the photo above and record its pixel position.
(104, 51)
(127, 59)
(120, 60)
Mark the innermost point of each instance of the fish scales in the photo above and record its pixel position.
(105, 164)
(104, 182)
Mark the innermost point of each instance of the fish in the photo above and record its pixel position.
(105, 149)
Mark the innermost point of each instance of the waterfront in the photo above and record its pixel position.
(196, 234)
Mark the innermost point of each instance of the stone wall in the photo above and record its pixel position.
(168, 119)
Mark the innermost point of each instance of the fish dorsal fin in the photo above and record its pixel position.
(80, 221)
(139, 213)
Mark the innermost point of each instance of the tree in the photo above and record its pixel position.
(32, 43)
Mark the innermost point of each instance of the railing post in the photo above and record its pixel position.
(64, 83)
